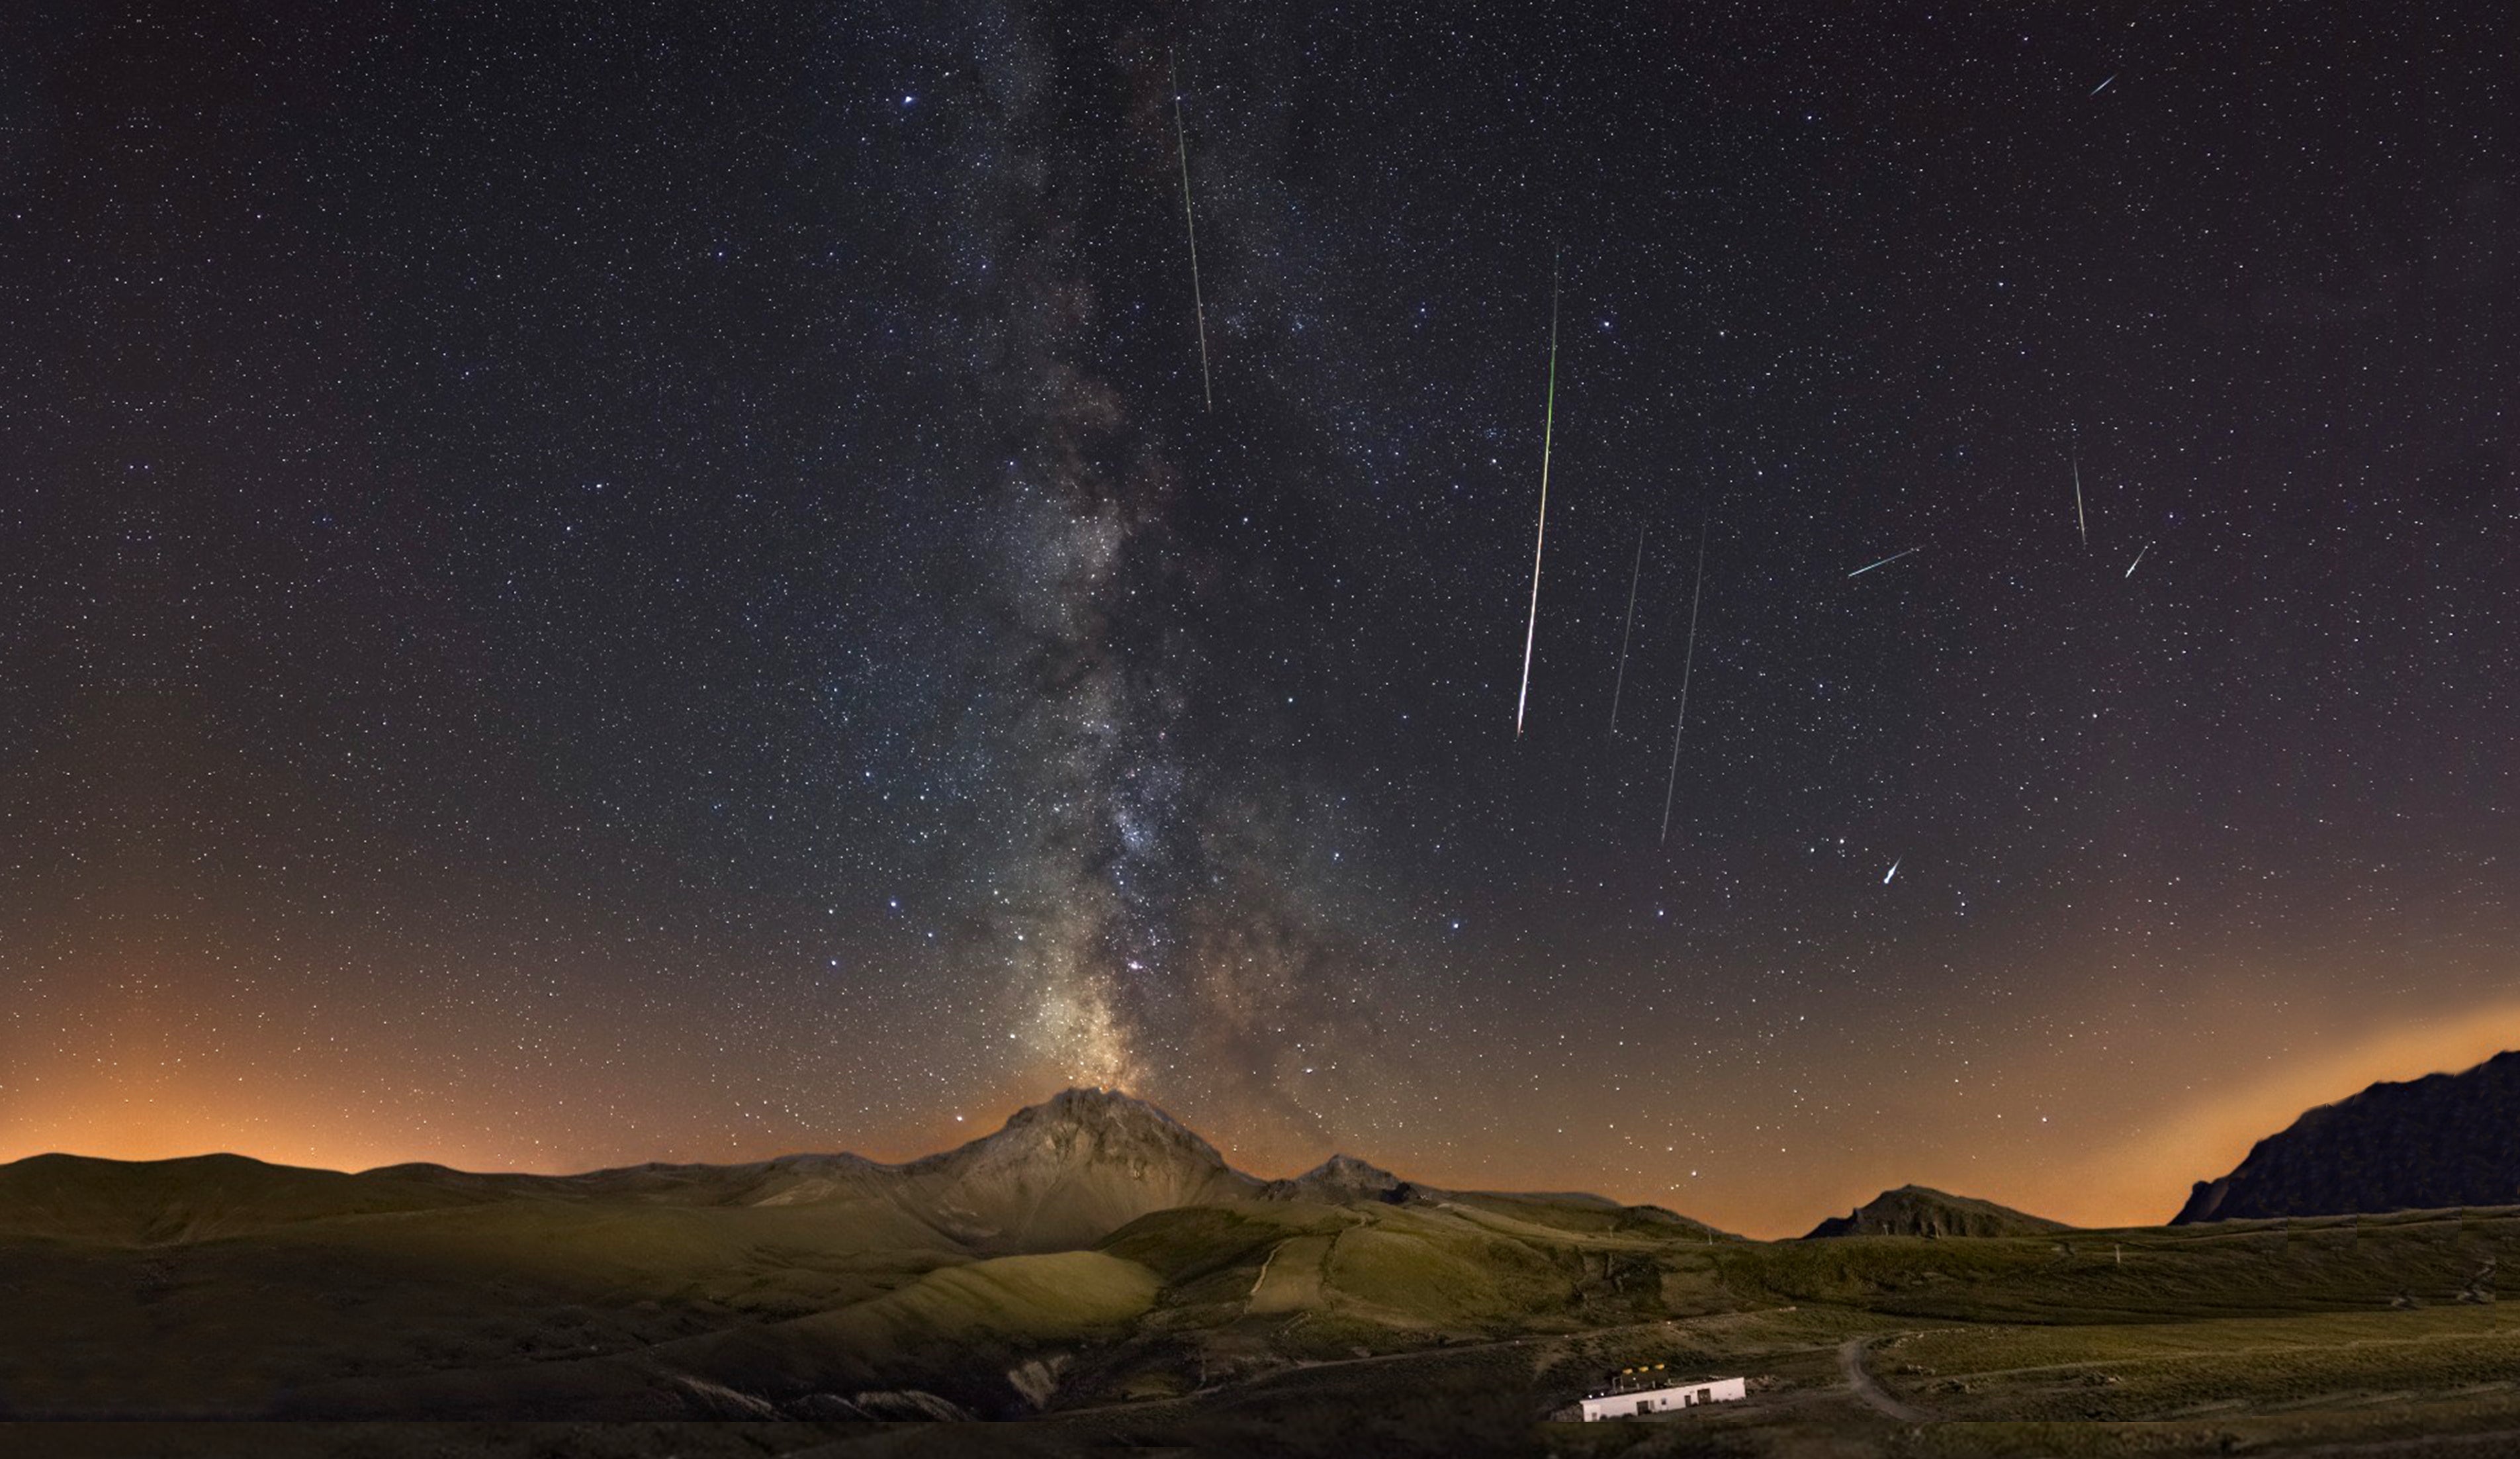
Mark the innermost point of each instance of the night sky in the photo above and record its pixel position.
(578, 588)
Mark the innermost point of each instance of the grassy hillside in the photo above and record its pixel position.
(2228, 1269)
(800, 1305)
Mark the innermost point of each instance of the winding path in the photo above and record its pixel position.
(1850, 1360)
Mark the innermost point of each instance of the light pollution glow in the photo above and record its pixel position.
(2137, 1178)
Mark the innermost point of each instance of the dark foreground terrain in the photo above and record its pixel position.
(1095, 1276)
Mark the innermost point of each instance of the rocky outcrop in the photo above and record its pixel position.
(2438, 1141)
(1919, 1210)
(1341, 1180)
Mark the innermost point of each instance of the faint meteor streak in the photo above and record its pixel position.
(1893, 870)
(1885, 562)
(1539, 539)
(2139, 561)
(1621, 682)
(1695, 592)
(2103, 86)
(2080, 525)
(1198, 302)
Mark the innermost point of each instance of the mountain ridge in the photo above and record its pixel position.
(1059, 1174)
(2441, 1140)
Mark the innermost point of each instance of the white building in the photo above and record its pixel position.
(1636, 1391)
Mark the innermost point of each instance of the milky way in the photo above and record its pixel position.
(1157, 896)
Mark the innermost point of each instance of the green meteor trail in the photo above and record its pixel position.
(1885, 562)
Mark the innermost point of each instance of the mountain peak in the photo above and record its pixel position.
(1923, 1211)
(1085, 1121)
(1088, 1104)
(1071, 1168)
(1339, 1180)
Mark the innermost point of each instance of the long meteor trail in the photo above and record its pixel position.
(1671, 782)
(2079, 525)
(1199, 303)
(1885, 562)
(1539, 539)
(1621, 682)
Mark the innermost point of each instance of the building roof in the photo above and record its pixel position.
(1649, 1379)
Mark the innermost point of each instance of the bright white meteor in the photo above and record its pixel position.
(1539, 539)
(2138, 559)
(1893, 870)
(2104, 85)
(1885, 562)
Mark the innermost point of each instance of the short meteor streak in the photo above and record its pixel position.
(1539, 539)
(1199, 303)
(1671, 782)
(1885, 562)
(1893, 870)
(2139, 561)
(1628, 631)
(2103, 86)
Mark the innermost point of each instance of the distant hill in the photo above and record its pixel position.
(155, 1203)
(1341, 1180)
(2441, 1140)
(1918, 1210)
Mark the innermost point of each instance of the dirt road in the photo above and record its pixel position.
(1850, 1359)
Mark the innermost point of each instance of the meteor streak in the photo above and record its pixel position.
(1199, 303)
(1885, 562)
(1539, 539)
(2139, 561)
(1621, 681)
(1671, 782)
(2103, 86)
(2080, 525)
(1893, 870)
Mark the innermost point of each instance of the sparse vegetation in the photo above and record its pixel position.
(811, 1304)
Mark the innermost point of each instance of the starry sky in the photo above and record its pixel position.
(583, 588)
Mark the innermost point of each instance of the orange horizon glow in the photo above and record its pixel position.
(2138, 1180)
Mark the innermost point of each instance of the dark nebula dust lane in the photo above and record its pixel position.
(587, 589)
